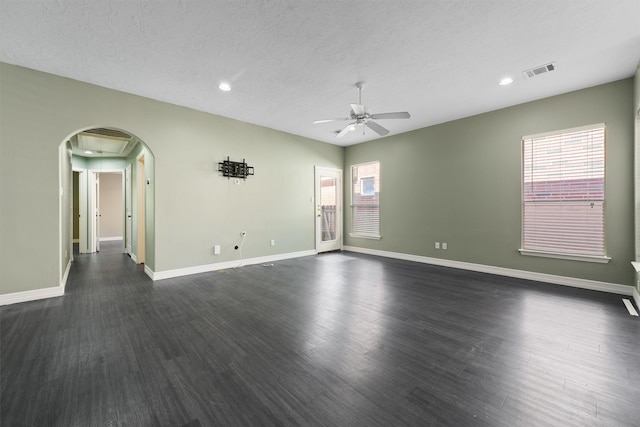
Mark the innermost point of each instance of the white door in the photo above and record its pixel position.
(93, 223)
(127, 210)
(328, 198)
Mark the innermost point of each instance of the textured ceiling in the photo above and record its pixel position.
(293, 62)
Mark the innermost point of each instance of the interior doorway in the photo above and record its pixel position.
(328, 196)
(109, 173)
(98, 210)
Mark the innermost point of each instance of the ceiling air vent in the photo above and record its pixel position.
(536, 71)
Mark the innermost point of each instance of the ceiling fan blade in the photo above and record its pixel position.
(358, 109)
(377, 128)
(346, 130)
(330, 120)
(398, 115)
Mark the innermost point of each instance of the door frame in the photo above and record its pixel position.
(83, 211)
(93, 194)
(128, 219)
(141, 188)
(334, 245)
(89, 208)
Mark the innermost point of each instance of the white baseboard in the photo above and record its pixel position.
(65, 276)
(33, 295)
(37, 294)
(636, 297)
(148, 271)
(593, 285)
(134, 257)
(168, 274)
(110, 239)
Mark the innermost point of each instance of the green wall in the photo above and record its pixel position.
(195, 208)
(459, 182)
(149, 212)
(65, 208)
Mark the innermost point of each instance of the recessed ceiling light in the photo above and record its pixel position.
(88, 152)
(505, 81)
(224, 86)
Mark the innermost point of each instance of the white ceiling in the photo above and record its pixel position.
(293, 62)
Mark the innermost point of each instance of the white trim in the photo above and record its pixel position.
(149, 272)
(365, 236)
(636, 297)
(337, 243)
(65, 276)
(570, 257)
(32, 295)
(178, 272)
(593, 285)
(120, 171)
(110, 239)
(570, 130)
(134, 257)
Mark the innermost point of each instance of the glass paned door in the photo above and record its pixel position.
(328, 187)
(328, 199)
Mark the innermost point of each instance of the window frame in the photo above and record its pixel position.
(561, 254)
(358, 234)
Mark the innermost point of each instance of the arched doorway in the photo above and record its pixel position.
(89, 160)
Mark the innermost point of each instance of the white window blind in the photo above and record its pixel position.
(365, 200)
(563, 193)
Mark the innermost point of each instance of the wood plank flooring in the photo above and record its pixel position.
(340, 339)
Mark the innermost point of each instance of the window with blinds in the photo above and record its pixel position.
(563, 194)
(365, 200)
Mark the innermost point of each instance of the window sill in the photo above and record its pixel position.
(366, 236)
(586, 258)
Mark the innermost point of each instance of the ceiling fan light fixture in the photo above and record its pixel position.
(505, 81)
(363, 118)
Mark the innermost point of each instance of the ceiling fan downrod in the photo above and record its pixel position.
(359, 85)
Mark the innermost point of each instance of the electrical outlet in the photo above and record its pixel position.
(273, 242)
(437, 245)
(444, 246)
(216, 250)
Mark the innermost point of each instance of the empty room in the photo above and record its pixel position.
(322, 213)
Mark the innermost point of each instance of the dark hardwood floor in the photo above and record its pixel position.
(340, 339)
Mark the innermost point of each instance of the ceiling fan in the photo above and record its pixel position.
(360, 116)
